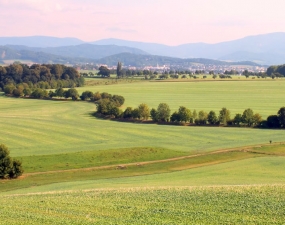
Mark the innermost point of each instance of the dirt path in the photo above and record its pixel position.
(123, 166)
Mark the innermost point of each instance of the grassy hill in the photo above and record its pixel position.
(93, 171)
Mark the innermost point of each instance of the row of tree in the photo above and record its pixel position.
(42, 76)
(39, 93)
(184, 115)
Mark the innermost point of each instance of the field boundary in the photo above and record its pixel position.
(125, 165)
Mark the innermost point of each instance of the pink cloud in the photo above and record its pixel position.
(169, 22)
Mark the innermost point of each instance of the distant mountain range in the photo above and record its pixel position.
(89, 51)
(40, 41)
(23, 53)
(267, 49)
(263, 49)
(129, 59)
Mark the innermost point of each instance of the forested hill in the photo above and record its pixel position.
(7, 53)
(136, 59)
(86, 51)
(129, 59)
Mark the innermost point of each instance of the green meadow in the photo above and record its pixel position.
(86, 170)
(263, 96)
(41, 127)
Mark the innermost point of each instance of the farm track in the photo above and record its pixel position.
(123, 166)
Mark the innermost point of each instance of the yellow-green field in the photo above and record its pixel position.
(145, 173)
(210, 205)
(264, 97)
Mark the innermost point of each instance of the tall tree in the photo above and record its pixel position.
(225, 116)
(202, 117)
(144, 112)
(119, 69)
(163, 112)
(184, 114)
(212, 118)
(248, 117)
(238, 119)
(281, 116)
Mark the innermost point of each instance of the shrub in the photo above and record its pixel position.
(9, 168)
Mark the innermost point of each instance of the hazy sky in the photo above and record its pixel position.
(169, 22)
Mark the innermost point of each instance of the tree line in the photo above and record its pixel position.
(43, 76)
(185, 116)
(109, 105)
(72, 93)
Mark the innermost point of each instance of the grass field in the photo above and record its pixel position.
(145, 173)
(39, 127)
(264, 97)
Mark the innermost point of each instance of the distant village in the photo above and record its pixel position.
(206, 69)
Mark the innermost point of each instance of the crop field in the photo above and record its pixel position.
(210, 205)
(86, 170)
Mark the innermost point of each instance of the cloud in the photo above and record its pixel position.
(120, 30)
(42, 6)
(104, 13)
(230, 22)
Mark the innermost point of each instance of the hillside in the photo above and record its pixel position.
(265, 49)
(40, 41)
(129, 59)
(88, 53)
(36, 56)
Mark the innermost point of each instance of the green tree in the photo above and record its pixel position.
(225, 116)
(202, 117)
(257, 119)
(104, 71)
(9, 88)
(144, 112)
(86, 95)
(119, 69)
(136, 113)
(281, 116)
(212, 118)
(18, 92)
(72, 93)
(128, 113)
(175, 117)
(184, 114)
(39, 93)
(118, 99)
(116, 112)
(238, 119)
(247, 117)
(273, 121)
(96, 97)
(163, 112)
(153, 115)
(59, 92)
(9, 168)
(27, 92)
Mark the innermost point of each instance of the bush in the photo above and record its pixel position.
(9, 168)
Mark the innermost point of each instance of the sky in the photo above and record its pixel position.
(170, 22)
